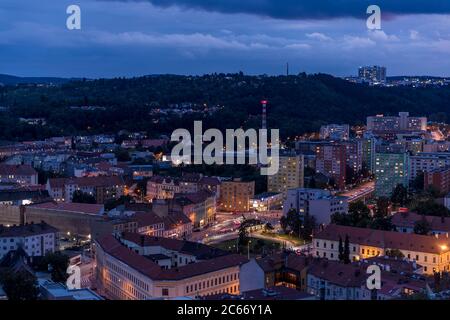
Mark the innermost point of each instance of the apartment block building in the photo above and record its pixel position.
(290, 174)
(103, 188)
(236, 195)
(438, 179)
(402, 122)
(391, 169)
(335, 132)
(427, 162)
(331, 161)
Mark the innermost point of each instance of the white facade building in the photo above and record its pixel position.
(316, 202)
(35, 239)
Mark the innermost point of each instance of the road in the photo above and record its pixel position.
(227, 224)
(359, 192)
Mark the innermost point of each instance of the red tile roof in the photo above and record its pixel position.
(175, 219)
(192, 248)
(211, 181)
(20, 170)
(344, 275)
(354, 275)
(101, 181)
(193, 198)
(152, 270)
(386, 239)
(26, 230)
(84, 208)
(408, 220)
(145, 219)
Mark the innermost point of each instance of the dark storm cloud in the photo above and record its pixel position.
(310, 9)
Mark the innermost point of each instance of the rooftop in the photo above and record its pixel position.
(145, 266)
(26, 230)
(386, 239)
(84, 208)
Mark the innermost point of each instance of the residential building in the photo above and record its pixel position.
(199, 207)
(354, 154)
(20, 174)
(368, 153)
(280, 269)
(318, 203)
(290, 174)
(103, 188)
(438, 179)
(335, 132)
(236, 195)
(431, 252)
(391, 169)
(161, 220)
(405, 222)
(36, 239)
(427, 162)
(372, 74)
(403, 122)
(332, 280)
(331, 161)
(149, 223)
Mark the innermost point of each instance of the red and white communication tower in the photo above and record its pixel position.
(264, 114)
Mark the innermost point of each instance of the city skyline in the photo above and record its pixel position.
(119, 38)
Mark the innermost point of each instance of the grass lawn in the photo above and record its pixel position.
(257, 246)
(285, 237)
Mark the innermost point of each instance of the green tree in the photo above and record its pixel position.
(58, 263)
(395, 253)
(381, 219)
(340, 218)
(113, 203)
(359, 214)
(422, 226)
(293, 221)
(400, 195)
(83, 197)
(341, 250)
(346, 256)
(418, 182)
(243, 234)
(19, 286)
(307, 226)
(429, 207)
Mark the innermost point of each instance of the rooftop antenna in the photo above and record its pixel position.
(287, 69)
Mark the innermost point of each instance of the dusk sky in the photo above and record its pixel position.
(132, 38)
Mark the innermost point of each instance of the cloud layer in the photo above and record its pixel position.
(311, 9)
(130, 38)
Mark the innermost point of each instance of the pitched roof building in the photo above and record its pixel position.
(432, 252)
(126, 268)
